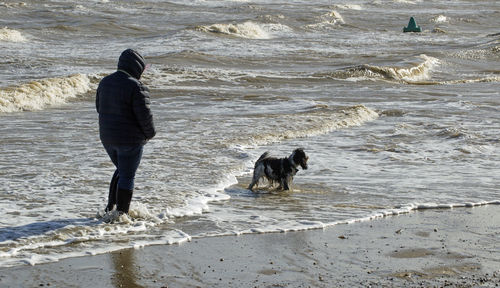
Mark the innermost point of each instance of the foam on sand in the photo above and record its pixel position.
(427, 249)
(304, 225)
(38, 94)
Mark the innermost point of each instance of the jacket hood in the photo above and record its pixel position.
(132, 62)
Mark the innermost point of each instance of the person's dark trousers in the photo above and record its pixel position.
(126, 158)
(113, 189)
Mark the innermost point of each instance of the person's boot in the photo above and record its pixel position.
(124, 197)
(113, 186)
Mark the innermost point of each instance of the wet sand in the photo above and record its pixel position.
(427, 248)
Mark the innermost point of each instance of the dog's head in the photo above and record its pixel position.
(300, 158)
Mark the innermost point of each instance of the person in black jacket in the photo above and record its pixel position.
(125, 125)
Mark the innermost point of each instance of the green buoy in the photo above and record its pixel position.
(412, 26)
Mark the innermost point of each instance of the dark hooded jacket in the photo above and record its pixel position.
(122, 102)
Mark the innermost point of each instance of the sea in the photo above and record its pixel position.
(392, 122)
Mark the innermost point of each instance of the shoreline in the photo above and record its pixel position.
(430, 247)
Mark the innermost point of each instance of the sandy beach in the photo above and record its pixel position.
(426, 248)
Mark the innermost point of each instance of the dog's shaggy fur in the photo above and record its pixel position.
(279, 170)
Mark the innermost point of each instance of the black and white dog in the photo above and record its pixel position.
(279, 170)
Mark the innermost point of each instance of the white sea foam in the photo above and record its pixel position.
(13, 5)
(439, 19)
(336, 16)
(11, 35)
(308, 125)
(39, 94)
(418, 72)
(174, 237)
(40, 248)
(248, 29)
(415, 72)
(327, 20)
(349, 6)
(407, 1)
(303, 225)
(199, 204)
(31, 256)
(14, 256)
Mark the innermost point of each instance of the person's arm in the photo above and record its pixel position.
(141, 106)
(97, 100)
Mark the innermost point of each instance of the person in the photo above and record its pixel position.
(125, 125)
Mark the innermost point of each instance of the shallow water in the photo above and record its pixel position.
(391, 122)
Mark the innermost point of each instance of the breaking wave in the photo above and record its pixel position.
(319, 120)
(11, 35)
(349, 6)
(327, 20)
(415, 73)
(440, 19)
(13, 5)
(484, 53)
(248, 29)
(37, 95)
(467, 81)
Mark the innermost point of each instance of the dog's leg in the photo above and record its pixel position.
(281, 184)
(286, 182)
(250, 187)
(285, 186)
(257, 173)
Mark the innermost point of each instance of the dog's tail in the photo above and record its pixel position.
(261, 158)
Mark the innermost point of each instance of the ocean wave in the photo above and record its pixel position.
(303, 225)
(60, 236)
(349, 7)
(163, 77)
(52, 240)
(440, 19)
(415, 74)
(413, 2)
(13, 5)
(487, 79)
(316, 121)
(56, 244)
(166, 76)
(408, 208)
(11, 35)
(418, 72)
(37, 95)
(475, 80)
(327, 20)
(248, 29)
(489, 52)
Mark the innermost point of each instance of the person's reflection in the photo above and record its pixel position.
(125, 273)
